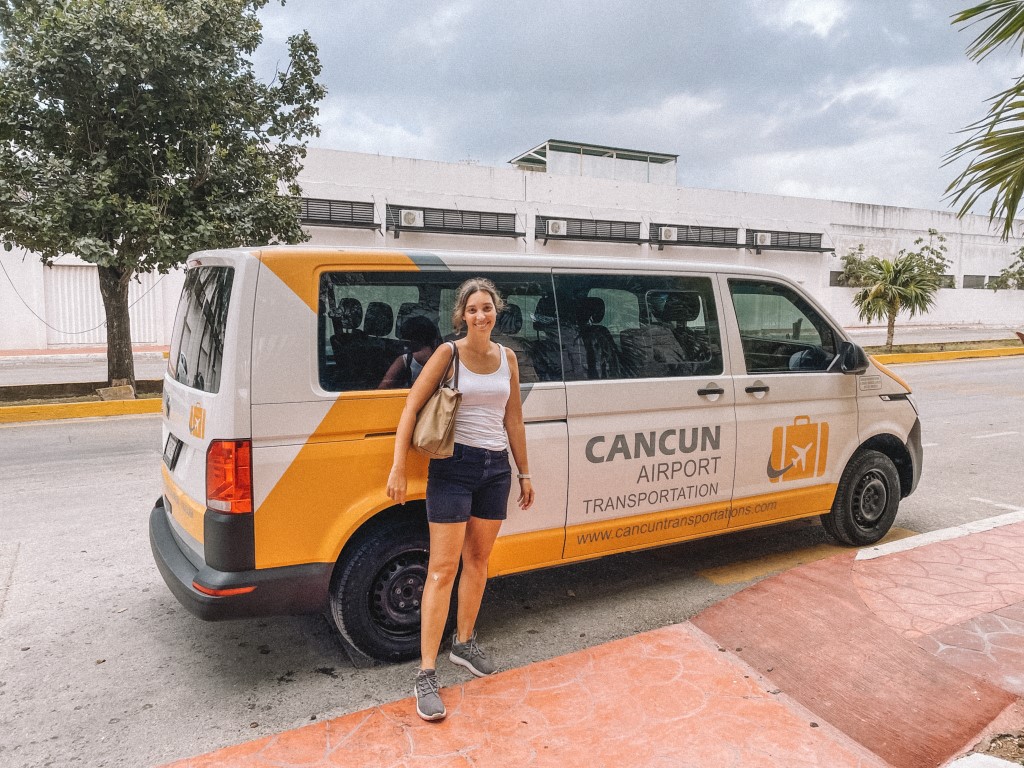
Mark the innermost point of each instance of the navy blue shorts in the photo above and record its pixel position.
(473, 482)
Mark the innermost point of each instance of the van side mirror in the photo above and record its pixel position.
(852, 359)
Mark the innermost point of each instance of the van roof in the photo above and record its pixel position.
(436, 259)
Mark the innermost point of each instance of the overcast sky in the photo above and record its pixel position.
(846, 99)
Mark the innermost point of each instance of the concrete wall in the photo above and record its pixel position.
(31, 320)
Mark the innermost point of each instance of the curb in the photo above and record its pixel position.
(51, 412)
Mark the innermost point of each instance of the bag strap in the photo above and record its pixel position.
(454, 361)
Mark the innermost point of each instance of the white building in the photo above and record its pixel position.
(560, 197)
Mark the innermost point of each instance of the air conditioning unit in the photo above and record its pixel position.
(762, 239)
(556, 227)
(668, 233)
(410, 217)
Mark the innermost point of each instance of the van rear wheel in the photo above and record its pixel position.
(377, 589)
(866, 500)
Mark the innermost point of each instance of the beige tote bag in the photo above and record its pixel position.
(434, 433)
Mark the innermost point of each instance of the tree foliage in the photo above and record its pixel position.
(995, 144)
(136, 132)
(1011, 276)
(904, 284)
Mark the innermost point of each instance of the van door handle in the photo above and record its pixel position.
(757, 388)
(710, 391)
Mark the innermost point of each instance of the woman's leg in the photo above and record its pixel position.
(446, 542)
(476, 551)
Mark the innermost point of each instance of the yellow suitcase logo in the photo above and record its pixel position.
(799, 450)
(197, 421)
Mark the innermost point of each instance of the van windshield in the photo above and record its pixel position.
(197, 342)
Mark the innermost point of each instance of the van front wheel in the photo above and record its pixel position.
(866, 500)
(377, 589)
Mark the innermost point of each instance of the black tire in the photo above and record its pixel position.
(866, 501)
(377, 588)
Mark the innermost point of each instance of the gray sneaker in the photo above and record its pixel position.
(471, 656)
(428, 696)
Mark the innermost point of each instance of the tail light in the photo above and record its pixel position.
(229, 476)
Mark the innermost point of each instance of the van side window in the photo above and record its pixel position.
(377, 329)
(780, 331)
(637, 326)
(197, 341)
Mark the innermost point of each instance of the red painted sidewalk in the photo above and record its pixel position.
(903, 660)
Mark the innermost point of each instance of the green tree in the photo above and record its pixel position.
(905, 284)
(136, 132)
(995, 143)
(1012, 276)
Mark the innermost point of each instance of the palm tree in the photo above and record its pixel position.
(995, 144)
(888, 287)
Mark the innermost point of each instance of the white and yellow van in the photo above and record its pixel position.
(663, 402)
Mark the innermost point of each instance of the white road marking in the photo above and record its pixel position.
(993, 434)
(929, 445)
(1015, 515)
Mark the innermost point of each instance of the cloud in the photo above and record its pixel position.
(819, 17)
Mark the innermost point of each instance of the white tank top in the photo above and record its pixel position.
(480, 421)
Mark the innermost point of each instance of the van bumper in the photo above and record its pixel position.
(290, 590)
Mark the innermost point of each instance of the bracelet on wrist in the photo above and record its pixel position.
(524, 475)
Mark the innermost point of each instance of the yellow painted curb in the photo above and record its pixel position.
(951, 354)
(18, 413)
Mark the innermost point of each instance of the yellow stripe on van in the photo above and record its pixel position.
(187, 511)
(625, 534)
(525, 551)
(336, 482)
(300, 270)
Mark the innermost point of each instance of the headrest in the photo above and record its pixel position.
(405, 310)
(682, 306)
(589, 310)
(544, 314)
(419, 330)
(510, 321)
(379, 319)
(349, 315)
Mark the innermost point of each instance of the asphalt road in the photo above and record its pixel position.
(100, 666)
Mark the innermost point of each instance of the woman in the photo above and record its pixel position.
(421, 335)
(467, 494)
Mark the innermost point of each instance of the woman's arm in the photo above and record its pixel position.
(390, 380)
(424, 386)
(516, 431)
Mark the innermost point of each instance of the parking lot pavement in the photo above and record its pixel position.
(914, 657)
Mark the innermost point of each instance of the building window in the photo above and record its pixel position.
(403, 218)
(555, 228)
(974, 281)
(336, 213)
(835, 279)
(947, 281)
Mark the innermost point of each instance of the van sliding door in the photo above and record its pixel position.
(650, 409)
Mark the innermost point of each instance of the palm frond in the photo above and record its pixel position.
(1006, 25)
(995, 147)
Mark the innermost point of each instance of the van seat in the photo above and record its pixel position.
(593, 351)
(506, 330)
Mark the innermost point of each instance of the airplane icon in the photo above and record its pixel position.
(801, 455)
